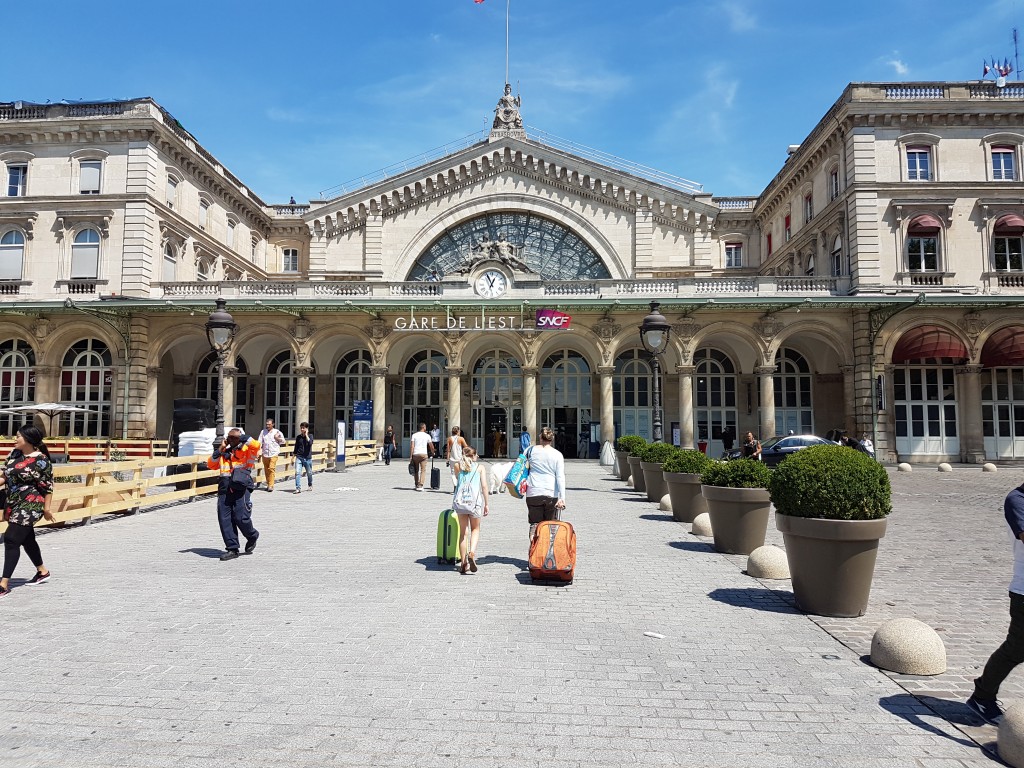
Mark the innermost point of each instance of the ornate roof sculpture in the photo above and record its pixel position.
(508, 123)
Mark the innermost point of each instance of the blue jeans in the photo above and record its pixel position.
(299, 464)
(388, 450)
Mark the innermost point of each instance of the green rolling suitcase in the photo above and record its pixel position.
(448, 537)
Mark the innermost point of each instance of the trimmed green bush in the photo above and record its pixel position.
(831, 482)
(632, 443)
(739, 473)
(657, 453)
(688, 462)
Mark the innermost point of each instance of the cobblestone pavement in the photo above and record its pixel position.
(342, 642)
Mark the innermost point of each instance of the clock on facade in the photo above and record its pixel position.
(491, 284)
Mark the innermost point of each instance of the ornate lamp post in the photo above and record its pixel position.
(220, 330)
(654, 332)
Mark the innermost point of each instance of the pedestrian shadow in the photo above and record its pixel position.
(637, 498)
(519, 563)
(202, 552)
(913, 708)
(660, 518)
(770, 601)
(692, 546)
(431, 564)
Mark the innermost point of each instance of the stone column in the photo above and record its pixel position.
(766, 374)
(379, 394)
(229, 397)
(530, 400)
(972, 438)
(849, 401)
(152, 398)
(47, 390)
(137, 385)
(686, 439)
(302, 375)
(607, 374)
(455, 400)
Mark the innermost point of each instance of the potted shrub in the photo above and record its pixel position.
(635, 445)
(623, 449)
(682, 473)
(736, 493)
(651, 459)
(831, 504)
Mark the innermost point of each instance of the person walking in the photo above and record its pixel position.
(454, 453)
(234, 506)
(751, 447)
(271, 440)
(389, 445)
(524, 441)
(545, 490)
(27, 478)
(471, 504)
(728, 437)
(435, 439)
(303, 457)
(1011, 653)
(868, 446)
(420, 448)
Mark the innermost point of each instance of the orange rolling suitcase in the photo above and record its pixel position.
(553, 552)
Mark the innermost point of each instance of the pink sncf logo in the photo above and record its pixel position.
(552, 320)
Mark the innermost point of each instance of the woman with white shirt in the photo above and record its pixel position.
(545, 492)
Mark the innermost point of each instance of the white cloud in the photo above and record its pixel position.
(893, 60)
(282, 115)
(741, 18)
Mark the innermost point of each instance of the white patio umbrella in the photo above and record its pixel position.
(49, 410)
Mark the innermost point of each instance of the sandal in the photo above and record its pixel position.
(472, 562)
(462, 567)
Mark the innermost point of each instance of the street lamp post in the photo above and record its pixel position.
(220, 330)
(654, 333)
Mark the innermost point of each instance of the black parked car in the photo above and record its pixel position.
(775, 449)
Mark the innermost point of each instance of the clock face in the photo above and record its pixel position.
(491, 284)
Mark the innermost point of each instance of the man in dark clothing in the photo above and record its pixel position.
(303, 456)
(727, 436)
(1011, 652)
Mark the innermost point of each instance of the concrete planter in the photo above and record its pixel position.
(687, 500)
(832, 562)
(622, 465)
(637, 474)
(739, 517)
(654, 480)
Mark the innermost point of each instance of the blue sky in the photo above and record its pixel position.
(296, 98)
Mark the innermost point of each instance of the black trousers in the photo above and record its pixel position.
(234, 513)
(1006, 656)
(540, 508)
(15, 537)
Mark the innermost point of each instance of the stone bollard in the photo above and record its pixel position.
(629, 481)
(1011, 736)
(944, 467)
(768, 562)
(909, 647)
(702, 525)
(904, 467)
(666, 503)
(989, 467)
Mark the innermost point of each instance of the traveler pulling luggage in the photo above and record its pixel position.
(553, 552)
(435, 476)
(448, 535)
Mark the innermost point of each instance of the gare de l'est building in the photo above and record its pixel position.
(875, 285)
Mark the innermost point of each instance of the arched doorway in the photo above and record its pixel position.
(17, 382)
(714, 397)
(281, 385)
(631, 395)
(1002, 394)
(566, 402)
(794, 411)
(86, 381)
(497, 396)
(425, 393)
(352, 381)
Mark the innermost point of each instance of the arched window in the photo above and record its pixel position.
(207, 383)
(17, 382)
(923, 244)
(352, 381)
(497, 397)
(714, 397)
(836, 256)
(85, 255)
(12, 255)
(793, 407)
(170, 264)
(1008, 244)
(425, 392)
(86, 381)
(566, 400)
(281, 386)
(204, 269)
(631, 394)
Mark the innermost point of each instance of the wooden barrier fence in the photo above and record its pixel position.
(84, 490)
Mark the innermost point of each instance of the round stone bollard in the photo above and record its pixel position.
(702, 525)
(909, 647)
(944, 467)
(989, 467)
(1011, 736)
(666, 503)
(629, 481)
(768, 562)
(904, 467)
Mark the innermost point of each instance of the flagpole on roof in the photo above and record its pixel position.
(507, 4)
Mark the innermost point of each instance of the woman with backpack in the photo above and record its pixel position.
(470, 501)
(27, 480)
(454, 451)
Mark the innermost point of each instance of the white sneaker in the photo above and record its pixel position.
(298, 490)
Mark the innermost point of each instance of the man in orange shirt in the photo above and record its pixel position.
(236, 459)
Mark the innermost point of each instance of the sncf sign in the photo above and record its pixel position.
(552, 320)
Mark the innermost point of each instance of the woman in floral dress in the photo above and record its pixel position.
(27, 477)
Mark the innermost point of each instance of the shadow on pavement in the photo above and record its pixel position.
(202, 551)
(498, 560)
(637, 498)
(431, 564)
(523, 577)
(758, 599)
(956, 712)
(662, 518)
(692, 546)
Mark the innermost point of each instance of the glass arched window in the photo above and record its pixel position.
(631, 395)
(836, 256)
(281, 386)
(352, 381)
(425, 391)
(497, 397)
(86, 381)
(169, 272)
(714, 397)
(204, 269)
(544, 246)
(566, 399)
(85, 255)
(793, 409)
(12, 255)
(17, 382)
(206, 387)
